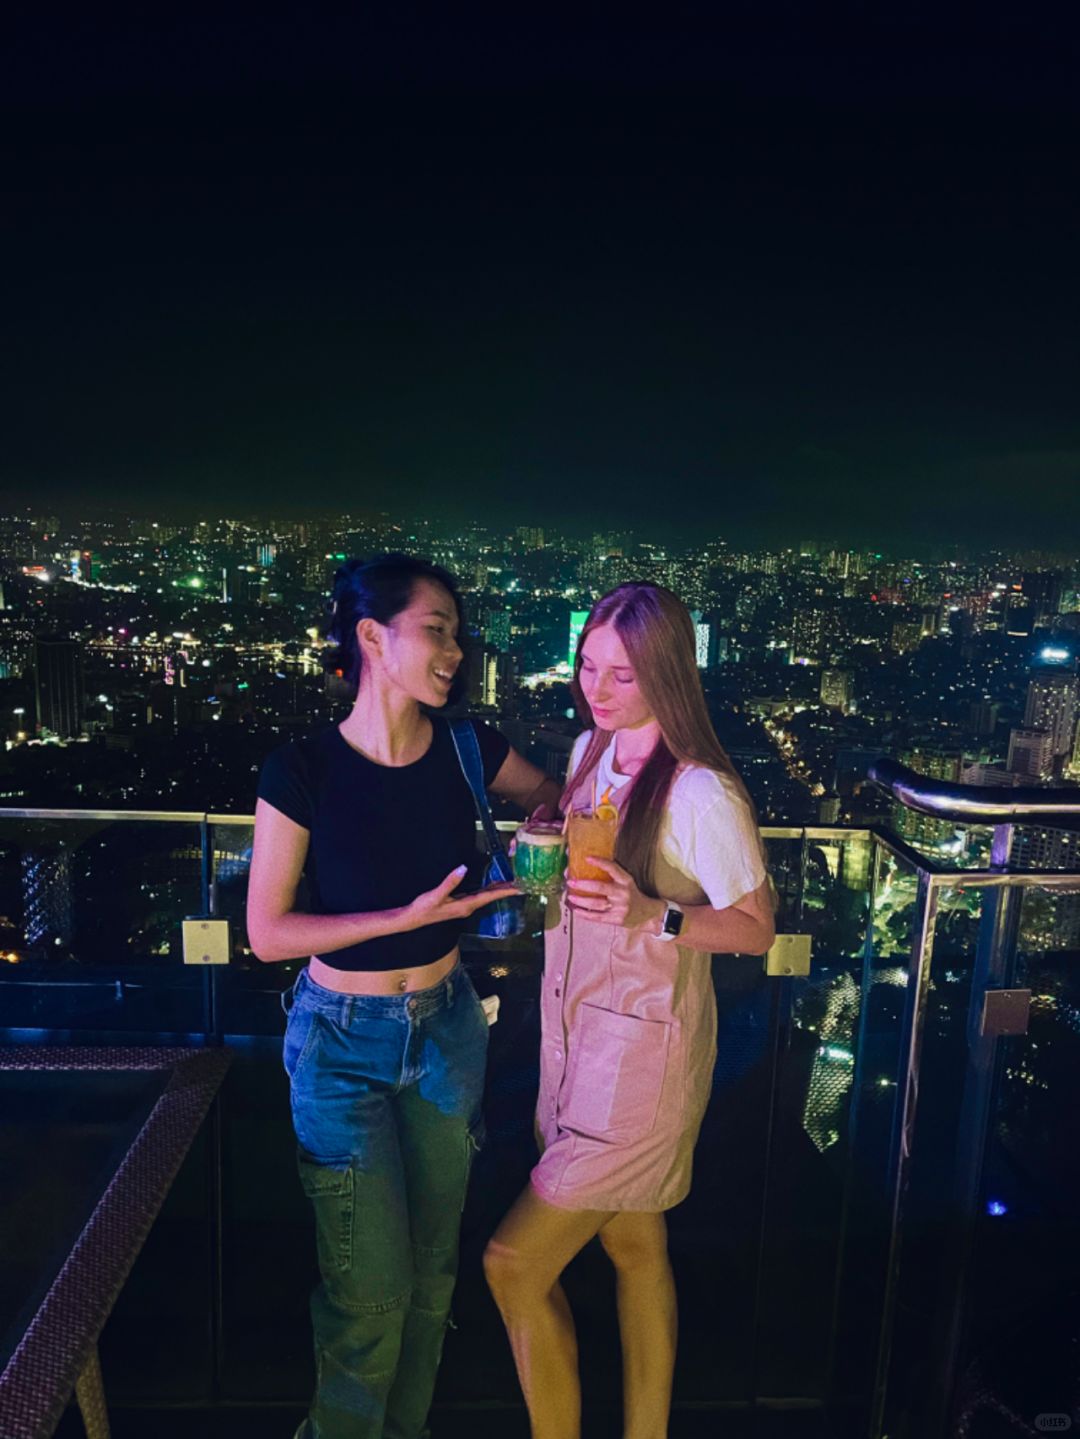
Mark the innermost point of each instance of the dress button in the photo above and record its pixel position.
(558, 1054)
(559, 978)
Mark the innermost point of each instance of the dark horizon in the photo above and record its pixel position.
(927, 548)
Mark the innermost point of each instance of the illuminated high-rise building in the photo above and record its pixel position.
(996, 608)
(577, 624)
(836, 689)
(47, 897)
(704, 641)
(492, 681)
(1050, 918)
(497, 630)
(808, 642)
(1020, 615)
(983, 716)
(489, 687)
(16, 645)
(1053, 701)
(1031, 754)
(936, 762)
(1074, 766)
(1045, 590)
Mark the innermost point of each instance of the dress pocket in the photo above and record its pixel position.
(615, 1074)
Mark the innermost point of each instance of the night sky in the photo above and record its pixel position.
(771, 278)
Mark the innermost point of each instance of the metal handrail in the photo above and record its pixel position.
(972, 803)
(142, 816)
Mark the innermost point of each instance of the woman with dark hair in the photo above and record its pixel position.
(386, 1040)
(628, 1014)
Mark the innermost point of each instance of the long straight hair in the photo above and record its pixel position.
(658, 635)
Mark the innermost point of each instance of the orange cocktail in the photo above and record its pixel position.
(591, 834)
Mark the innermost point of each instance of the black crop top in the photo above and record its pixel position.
(382, 834)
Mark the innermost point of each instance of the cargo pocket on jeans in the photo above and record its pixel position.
(331, 1193)
(615, 1075)
(474, 1142)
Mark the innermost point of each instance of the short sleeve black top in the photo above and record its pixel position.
(382, 834)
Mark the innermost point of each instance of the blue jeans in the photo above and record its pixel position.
(386, 1095)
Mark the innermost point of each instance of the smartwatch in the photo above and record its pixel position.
(672, 922)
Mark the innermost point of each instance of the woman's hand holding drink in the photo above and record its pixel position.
(592, 835)
(601, 890)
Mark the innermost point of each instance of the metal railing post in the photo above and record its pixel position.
(854, 1109)
(214, 1121)
(994, 967)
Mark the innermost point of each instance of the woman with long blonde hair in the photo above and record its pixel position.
(628, 1011)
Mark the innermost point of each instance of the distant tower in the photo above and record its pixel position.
(497, 630)
(1030, 754)
(1053, 699)
(47, 897)
(808, 639)
(836, 689)
(58, 685)
(1074, 767)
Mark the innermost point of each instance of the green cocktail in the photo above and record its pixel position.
(540, 857)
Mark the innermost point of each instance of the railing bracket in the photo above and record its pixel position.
(789, 956)
(206, 941)
(1005, 1011)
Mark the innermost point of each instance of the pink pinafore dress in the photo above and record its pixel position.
(628, 1044)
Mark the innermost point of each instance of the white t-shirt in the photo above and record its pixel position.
(707, 832)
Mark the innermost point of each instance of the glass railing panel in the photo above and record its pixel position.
(96, 891)
(917, 1307)
(809, 1135)
(230, 844)
(246, 992)
(946, 844)
(90, 911)
(899, 912)
(1022, 1274)
(784, 856)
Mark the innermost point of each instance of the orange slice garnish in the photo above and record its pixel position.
(606, 812)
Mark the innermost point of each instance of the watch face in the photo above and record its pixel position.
(673, 921)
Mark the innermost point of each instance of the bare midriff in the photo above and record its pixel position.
(382, 981)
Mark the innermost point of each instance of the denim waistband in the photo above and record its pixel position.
(341, 1008)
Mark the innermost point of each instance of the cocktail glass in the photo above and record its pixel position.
(540, 857)
(594, 834)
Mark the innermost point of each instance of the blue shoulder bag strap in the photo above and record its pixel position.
(472, 767)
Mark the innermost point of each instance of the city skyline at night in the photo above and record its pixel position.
(148, 662)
